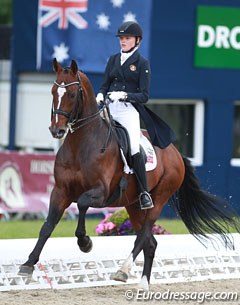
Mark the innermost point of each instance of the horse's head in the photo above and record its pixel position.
(67, 98)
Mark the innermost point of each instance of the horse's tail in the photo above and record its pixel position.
(203, 213)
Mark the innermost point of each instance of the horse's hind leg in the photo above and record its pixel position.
(84, 242)
(54, 215)
(142, 222)
(149, 253)
(146, 242)
(169, 183)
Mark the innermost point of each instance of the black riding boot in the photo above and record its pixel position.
(140, 173)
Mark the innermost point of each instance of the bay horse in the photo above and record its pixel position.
(88, 168)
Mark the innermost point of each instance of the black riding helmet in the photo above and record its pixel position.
(130, 28)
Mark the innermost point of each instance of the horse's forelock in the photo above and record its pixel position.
(66, 70)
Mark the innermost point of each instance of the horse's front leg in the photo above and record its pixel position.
(94, 197)
(56, 209)
(84, 242)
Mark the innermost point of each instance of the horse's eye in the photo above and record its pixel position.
(72, 95)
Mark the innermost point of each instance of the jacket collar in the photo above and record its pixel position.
(133, 58)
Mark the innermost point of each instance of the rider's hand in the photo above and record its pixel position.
(99, 98)
(118, 96)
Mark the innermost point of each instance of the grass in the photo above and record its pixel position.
(66, 228)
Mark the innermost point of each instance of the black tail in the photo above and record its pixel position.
(202, 212)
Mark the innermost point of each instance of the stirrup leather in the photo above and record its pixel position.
(145, 204)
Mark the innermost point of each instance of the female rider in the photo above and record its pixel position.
(126, 81)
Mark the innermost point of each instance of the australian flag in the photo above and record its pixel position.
(85, 30)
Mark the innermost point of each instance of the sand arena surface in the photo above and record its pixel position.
(117, 294)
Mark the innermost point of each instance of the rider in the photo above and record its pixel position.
(126, 80)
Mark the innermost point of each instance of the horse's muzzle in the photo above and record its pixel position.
(56, 132)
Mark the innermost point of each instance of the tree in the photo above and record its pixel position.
(6, 12)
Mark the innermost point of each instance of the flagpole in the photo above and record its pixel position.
(13, 99)
(39, 42)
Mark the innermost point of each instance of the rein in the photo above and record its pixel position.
(85, 121)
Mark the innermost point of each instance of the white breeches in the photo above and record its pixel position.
(128, 116)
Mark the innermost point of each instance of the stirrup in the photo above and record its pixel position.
(145, 201)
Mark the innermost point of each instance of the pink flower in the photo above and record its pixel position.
(109, 226)
(100, 228)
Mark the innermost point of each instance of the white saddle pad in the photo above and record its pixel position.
(150, 153)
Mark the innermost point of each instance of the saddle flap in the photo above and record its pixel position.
(123, 141)
(146, 149)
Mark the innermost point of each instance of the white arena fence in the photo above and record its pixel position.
(179, 258)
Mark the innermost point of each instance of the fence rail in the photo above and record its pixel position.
(179, 258)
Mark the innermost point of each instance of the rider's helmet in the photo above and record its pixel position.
(130, 28)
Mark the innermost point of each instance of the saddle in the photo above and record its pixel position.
(124, 143)
(146, 150)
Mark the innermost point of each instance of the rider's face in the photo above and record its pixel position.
(127, 42)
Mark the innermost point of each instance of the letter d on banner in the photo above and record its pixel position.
(206, 36)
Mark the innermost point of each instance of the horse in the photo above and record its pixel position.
(88, 168)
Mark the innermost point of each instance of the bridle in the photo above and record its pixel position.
(60, 111)
(74, 122)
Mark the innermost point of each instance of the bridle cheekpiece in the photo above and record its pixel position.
(72, 116)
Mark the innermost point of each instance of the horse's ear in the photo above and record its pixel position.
(56, 66)
(74, 67)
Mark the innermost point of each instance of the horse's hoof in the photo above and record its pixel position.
(88, 247)
(144, 284)
(120, 276)
(26, 270)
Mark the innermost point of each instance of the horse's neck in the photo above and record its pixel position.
(87, 137)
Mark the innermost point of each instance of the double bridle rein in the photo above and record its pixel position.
(72, 116)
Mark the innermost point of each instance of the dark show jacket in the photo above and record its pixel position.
(133, 77)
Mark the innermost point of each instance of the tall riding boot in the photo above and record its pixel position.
(140, 173)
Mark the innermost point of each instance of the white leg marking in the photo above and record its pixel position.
(127, 265)
(144, 283)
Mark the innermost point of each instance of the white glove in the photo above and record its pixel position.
(118, 95)
(99, 98)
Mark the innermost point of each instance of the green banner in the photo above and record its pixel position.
(217, 37)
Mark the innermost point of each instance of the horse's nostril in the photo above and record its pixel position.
(61, 133)
(57, 133)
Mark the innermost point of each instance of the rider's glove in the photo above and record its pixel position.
(99, 98)
(118, 96)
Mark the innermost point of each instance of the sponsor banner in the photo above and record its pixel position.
(217, 37)
(26, 181)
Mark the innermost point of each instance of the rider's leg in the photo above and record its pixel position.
(140, 172)
(128, 116)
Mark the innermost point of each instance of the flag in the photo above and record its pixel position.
(85, 30)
